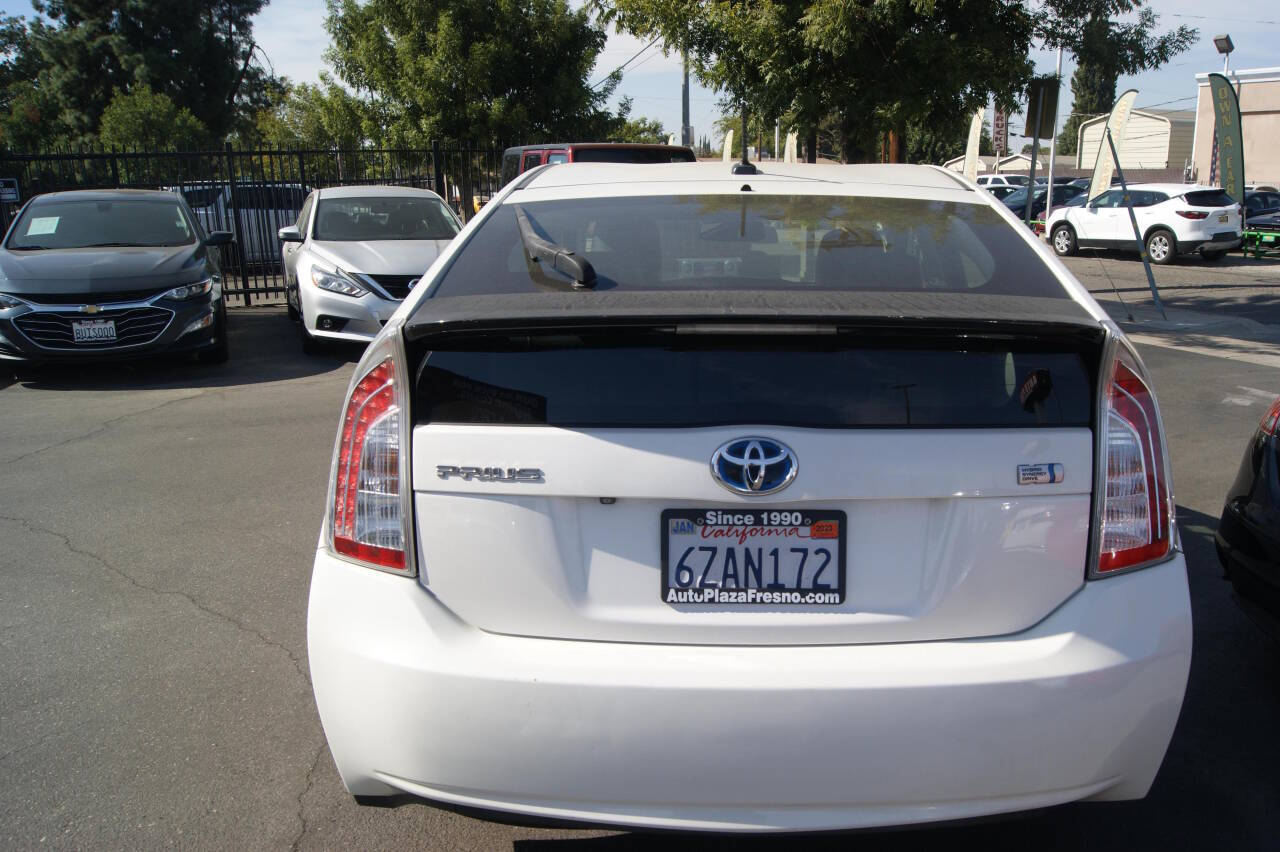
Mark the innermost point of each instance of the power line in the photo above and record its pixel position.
(1220, 18)
(619, 69)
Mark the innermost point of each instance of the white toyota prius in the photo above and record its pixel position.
(820, 497)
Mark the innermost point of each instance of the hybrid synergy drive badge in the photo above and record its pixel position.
(1040, 474)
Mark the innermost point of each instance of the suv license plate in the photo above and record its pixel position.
(93, 331)
(757, 557)
(1222, 217)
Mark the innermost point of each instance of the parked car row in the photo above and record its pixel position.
(109, 274)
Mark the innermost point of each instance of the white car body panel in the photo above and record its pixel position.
(748, 739)
(450, 686)
(942, 541)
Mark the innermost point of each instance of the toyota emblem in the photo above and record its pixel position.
(754, 466)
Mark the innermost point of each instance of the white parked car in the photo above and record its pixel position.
(1002, 180)
(683, 499)
(1173, 219)
(355, 253)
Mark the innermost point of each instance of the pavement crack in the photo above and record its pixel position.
(103, 427)
(138, 584)
(302, 797)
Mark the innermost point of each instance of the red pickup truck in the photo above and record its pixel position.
(525, 157)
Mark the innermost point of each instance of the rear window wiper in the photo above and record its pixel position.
(559, 258)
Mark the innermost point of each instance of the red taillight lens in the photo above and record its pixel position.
(1271, 420)
(1136, 521)
(1193, 214)
(367, 518)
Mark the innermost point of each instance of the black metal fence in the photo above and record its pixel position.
(255, 192)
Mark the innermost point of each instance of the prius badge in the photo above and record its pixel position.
(754, 466)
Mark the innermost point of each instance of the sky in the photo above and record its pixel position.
(292, 34)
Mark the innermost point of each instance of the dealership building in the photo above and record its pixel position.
(1259, 93)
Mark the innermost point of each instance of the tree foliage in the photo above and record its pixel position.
(321, 117)
(28, 115)
(627, 129)
(481, 70)
(147, 120)
(195, 52)
(1104, 48)
(864, 66)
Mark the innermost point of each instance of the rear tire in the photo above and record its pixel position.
(1162, 246)
(1064, 240)
(1217, 254)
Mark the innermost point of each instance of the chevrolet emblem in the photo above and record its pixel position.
(89, 309)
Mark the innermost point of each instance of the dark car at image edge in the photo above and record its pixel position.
(1248, 537)
(110, 274)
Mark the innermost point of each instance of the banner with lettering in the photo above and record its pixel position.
(1229, 136)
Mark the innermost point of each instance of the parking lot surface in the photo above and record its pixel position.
(156, 528)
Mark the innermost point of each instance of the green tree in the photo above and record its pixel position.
(322, 117)
(196, 52)
(484, 70)
(28, 115)
(859, 67)
(1104, 49)
(641, 129)
(143, 119)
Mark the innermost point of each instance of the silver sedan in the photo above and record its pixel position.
(355, 253)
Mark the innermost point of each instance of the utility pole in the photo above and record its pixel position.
(686, 132)
(1053, 142)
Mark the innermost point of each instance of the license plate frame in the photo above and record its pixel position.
(778, 580)
(81, 331)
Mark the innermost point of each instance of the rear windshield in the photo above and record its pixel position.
(384, 218)
(753, 242)
(107, 222)
(1209, 198)
(603, 379)
(630, 155)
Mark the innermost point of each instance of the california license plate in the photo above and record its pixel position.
(756, 557)
(93, 331)
(1222, 217)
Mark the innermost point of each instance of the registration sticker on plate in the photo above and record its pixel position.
(757, 557)
(93, 331)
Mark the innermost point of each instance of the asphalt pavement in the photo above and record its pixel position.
(156, 528)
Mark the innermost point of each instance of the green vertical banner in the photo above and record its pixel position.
(1230, 136)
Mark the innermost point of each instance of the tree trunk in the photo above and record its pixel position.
(896, 145)
(811, 145)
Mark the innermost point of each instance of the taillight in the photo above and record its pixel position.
(1136, 521)
(1271, 420)
(368, 518)
(1193, 214)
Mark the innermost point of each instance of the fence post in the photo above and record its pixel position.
(302, 172)
(437, 167)
(235, 224)
(115, 169)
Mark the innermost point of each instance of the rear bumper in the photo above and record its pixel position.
(1222, 241)
(748, 738)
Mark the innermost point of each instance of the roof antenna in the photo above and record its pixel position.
(745, 167)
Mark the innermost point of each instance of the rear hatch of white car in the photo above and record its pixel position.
(564, 483)
(794, 420)
(1211, 212)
